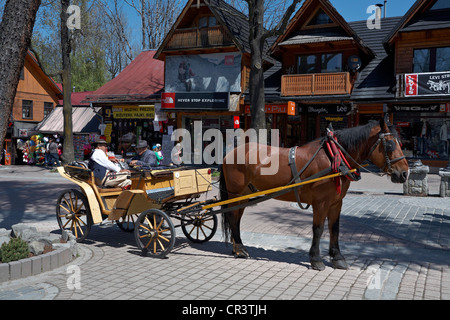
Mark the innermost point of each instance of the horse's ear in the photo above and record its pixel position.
(384, 122)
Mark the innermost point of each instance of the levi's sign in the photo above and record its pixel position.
(197, 101)
(427, 84)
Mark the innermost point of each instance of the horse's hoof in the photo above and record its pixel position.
(317, 265)
(340, 264)
(241, 254)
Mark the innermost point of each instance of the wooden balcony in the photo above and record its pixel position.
(316, 84)
(199, 38)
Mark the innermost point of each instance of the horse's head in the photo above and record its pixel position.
(387, 153)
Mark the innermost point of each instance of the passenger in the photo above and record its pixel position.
(107, 172)
(144, 158)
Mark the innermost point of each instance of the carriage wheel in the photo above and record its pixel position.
(199, 229)
(127, 223)
(155, 233)
(73, 213)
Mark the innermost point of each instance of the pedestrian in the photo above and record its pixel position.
(53, 153)
(158, 153)
(106, 172)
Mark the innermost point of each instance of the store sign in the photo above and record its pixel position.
(195, 101)
(417, 108)
(427, 84)
(133, 112)
(288, 109)
(326, 109)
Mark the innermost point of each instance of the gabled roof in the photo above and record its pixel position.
(141, 81)
(84, 119)
(419, 17)
(48, 80)
(234, 21)
(340, 31)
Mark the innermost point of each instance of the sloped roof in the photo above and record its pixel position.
(419, 17)
(141, 81)
(294, 35)
(377, 79)
(84, 119)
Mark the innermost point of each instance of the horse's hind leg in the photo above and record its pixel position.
(234, 221)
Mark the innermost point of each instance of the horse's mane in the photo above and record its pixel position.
(352, 138)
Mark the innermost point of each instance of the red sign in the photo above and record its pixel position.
(288, 109)
(168, 100)
(237, 122)
(411, 85)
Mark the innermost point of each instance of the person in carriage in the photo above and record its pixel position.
(107, 172)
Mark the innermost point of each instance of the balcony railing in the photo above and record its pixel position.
(316, 84)
(199, 38)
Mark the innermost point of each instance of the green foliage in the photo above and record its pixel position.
(14, 250)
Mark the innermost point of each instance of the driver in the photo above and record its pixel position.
(144, 158)
(107, 172)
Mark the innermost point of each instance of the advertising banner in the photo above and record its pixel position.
(195, 101)
(427, 84)
(216, 72)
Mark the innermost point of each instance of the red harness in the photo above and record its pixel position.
(338, 161)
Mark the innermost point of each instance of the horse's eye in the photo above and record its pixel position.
(390, 146)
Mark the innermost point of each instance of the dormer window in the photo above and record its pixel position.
(321, 18)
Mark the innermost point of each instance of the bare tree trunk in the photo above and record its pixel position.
(16, 29)
(68, 152)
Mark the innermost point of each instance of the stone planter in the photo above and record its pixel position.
(62, 254)
(417, 183)
(444, 189)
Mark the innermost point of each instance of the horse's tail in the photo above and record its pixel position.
(224, 196)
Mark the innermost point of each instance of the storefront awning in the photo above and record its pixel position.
(84, 119)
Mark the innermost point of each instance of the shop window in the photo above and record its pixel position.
(27, 109)
(328, 62)
(432, 60)
(48, 108)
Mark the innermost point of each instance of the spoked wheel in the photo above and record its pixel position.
(73, 213)
(127, 223)
(155, 233)
(200, 228)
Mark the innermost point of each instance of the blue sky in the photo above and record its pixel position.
(355, 10)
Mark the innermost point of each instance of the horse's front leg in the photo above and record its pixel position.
(337, 258)
(319, 215)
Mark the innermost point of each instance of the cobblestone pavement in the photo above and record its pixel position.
(397, 247)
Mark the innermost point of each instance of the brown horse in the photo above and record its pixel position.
(374, 142)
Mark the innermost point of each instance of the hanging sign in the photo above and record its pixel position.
(427, 84)
(133, 112)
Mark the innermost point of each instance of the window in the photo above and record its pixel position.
(320, 18)
(205, 22)
(332, 62)
(27, 109)
(321, 63)
(306, 64)
(431, 60)
(48, 108)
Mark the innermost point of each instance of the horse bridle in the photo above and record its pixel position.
(389, 146)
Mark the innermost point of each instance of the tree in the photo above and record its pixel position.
(258, 35)
(16, 29)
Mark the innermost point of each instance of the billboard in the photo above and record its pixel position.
(216, 72)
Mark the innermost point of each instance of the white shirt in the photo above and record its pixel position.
(101, 158)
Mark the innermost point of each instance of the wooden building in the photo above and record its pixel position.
(420, 46)
(36, 97)
(321, 56)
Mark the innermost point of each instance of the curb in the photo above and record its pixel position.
(35, 265)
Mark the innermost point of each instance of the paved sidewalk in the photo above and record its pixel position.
(397, 247)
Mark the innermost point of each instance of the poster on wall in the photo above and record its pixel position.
(427, 84)
(216, 72)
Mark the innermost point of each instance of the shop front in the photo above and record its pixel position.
(424, 131)
(317, 117)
